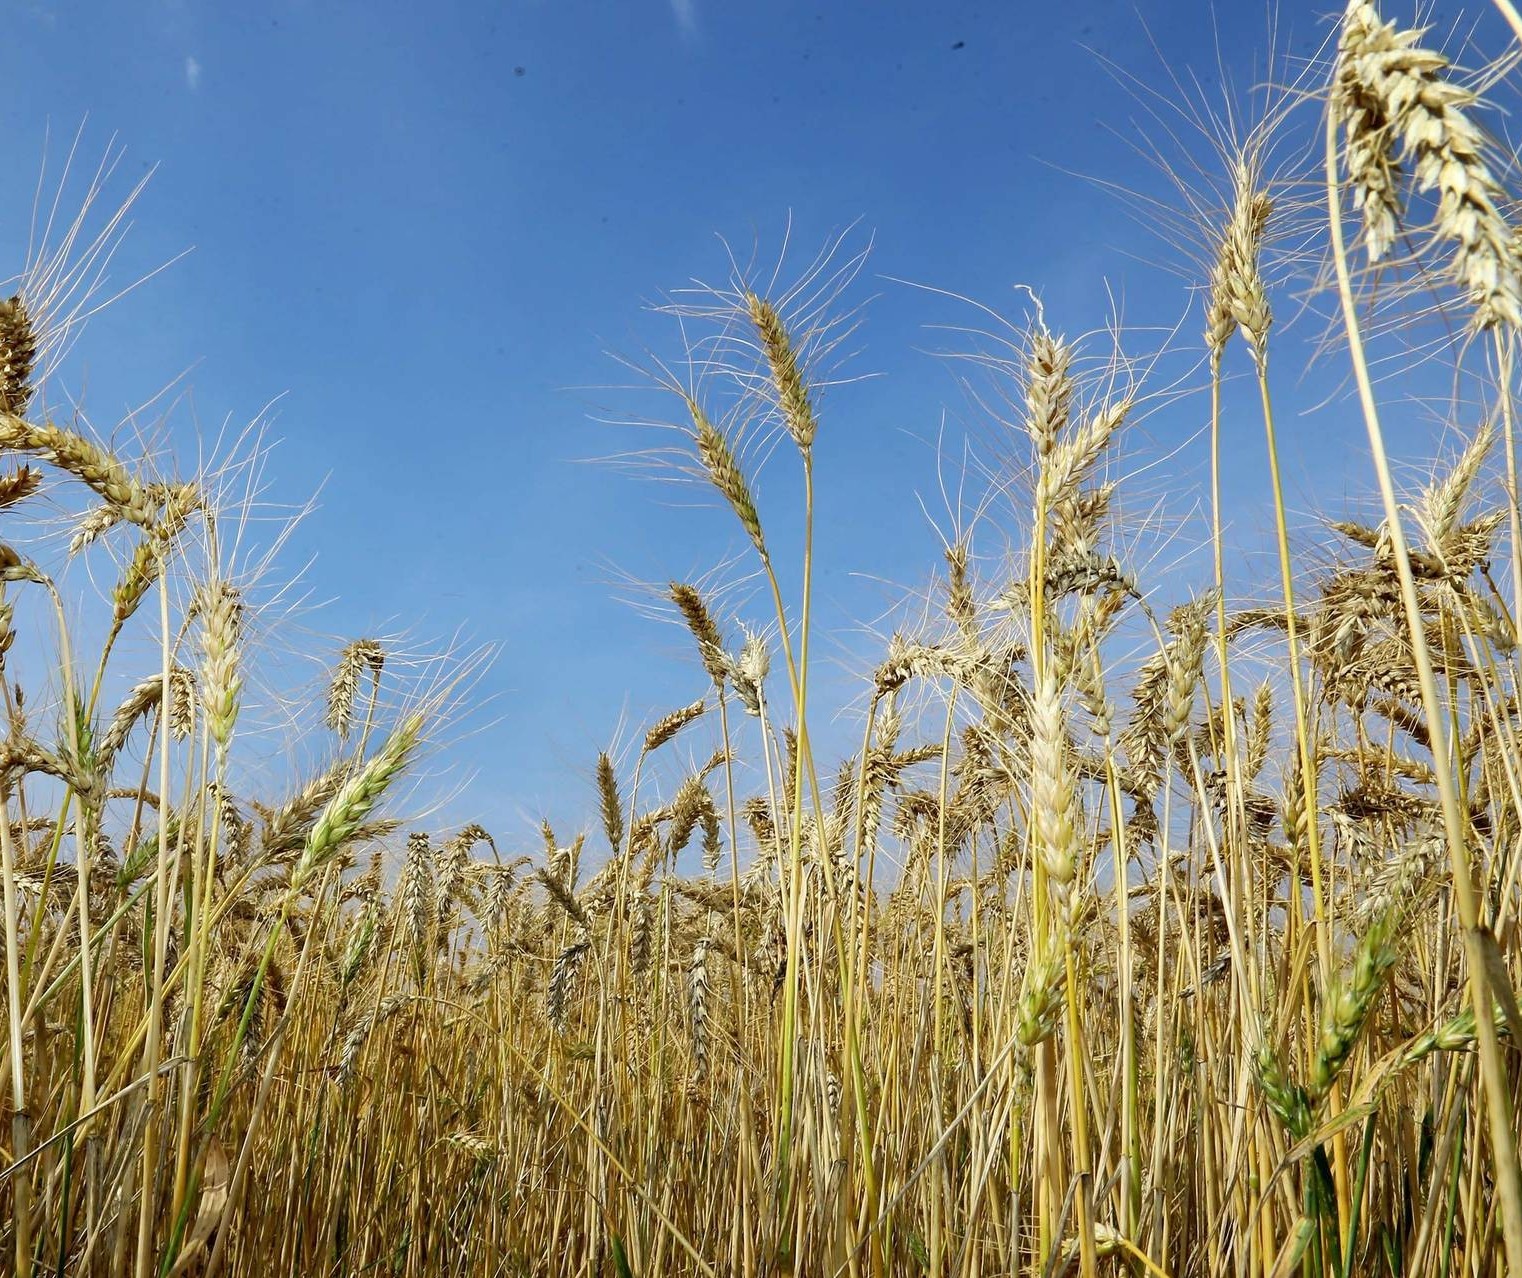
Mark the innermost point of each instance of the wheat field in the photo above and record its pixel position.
(1147, 929)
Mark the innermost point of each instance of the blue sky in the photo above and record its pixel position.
(424, 227)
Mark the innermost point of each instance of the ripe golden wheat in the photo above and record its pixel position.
(1143, 931)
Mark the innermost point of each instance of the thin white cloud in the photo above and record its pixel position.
(192, 74)
(686, 14)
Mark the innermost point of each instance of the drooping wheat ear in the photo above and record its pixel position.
(356, 798)
(663, 729)
(18, 355)
(1237, 296)
(452, 865)
(1390, 95)
(1285, 1097)
(691, 799)
(18, 485)
(92, 524)
(697, 990)
(220, 608)
(240, 830)
(750, 671)
(718, 460)
(83, 459)
(562, 895)
(178, 503)
(704, 630)
(907, 660)
(142, 698)
(563, 976)
(14, 568)
(563, 861)
(787, 378)
(1369, 131)
(273, 996)
(1399, 879)
(353, 661)
(1049, 390)
(348, 1055)
(476, 1145)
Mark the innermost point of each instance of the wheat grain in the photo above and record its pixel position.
(353, 661)
(666, 727)
(1391, 93)
(18, 355)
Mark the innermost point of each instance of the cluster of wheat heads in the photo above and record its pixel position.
(1141, 933)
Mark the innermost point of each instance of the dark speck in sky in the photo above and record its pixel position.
(960, 44)
(520, 71)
